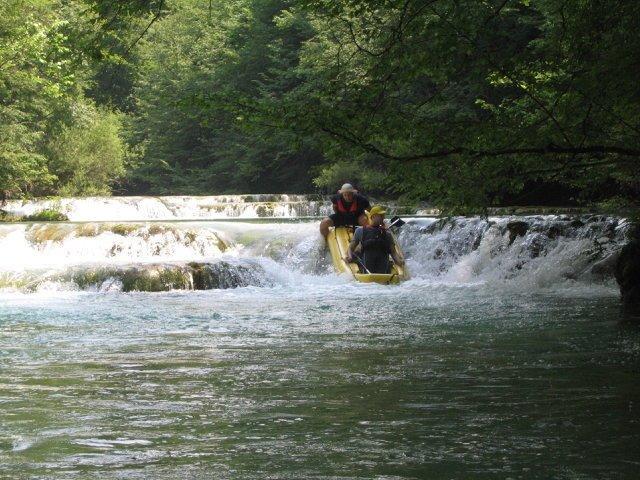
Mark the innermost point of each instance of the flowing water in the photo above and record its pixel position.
(190, 348)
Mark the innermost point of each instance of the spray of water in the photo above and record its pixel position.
(517, 252)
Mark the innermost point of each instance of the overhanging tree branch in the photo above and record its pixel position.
(549, 149)
(579, 166)
(153, 20)
(539, 102)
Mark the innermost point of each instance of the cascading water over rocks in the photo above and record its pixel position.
(518, 251)
(175, 207)
(534, 250)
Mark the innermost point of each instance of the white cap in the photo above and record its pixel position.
(347, 187)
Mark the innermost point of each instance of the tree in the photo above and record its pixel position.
(462, 103)
(88, 156)
(201, 72)
(478, 99)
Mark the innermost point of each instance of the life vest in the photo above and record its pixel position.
(375, 238)
(343, 209)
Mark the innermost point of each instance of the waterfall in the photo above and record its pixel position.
(119, 209)
(530, 251)
(156, 256)
(519, 251)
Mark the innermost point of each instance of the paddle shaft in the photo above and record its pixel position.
(361, 263)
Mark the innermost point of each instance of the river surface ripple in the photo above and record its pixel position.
(319, 381)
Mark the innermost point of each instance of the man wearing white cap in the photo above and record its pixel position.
(348, 210)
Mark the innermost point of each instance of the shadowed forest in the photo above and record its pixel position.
(461, 103)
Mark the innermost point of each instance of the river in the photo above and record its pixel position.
(196, 342)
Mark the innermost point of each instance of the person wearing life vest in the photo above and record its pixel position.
(376, 244)
(348, 210)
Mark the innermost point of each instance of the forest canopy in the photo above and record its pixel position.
(461, 103)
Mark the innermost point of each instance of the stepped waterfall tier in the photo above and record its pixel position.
(175, 208)
(530, 251)
(213, 333)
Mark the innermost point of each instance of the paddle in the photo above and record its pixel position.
(362, 263)
(396, 222)
(359, 262)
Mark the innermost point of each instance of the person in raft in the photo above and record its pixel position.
(348, 210)
(377, 244)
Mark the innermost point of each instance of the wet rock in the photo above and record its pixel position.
(207, 276)
(165, 277)
(554, 231)
(9, 217)
(123, 229)
(138, 278)
(576, 223)
(605, 268)
(516, 229)
(627, 273)
(536, 245)
(436, 226)
(477, 242)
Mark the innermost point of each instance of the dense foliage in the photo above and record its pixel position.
(463, 103)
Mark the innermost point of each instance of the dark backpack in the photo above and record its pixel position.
(375, 238)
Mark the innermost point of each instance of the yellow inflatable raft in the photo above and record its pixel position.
(339, 239)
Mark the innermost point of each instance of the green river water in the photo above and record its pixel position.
(498, 360)
(321, 381)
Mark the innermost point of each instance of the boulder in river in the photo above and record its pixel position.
(167, 276)
(627, 273)
(605, 268)
(207, 276)
(517, 228)
(576, 223)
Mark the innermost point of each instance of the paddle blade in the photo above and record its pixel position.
(396, 222)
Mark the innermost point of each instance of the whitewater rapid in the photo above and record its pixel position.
(521, 252)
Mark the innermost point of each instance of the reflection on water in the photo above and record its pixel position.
(319, 380)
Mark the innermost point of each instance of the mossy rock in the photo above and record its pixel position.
(160, 279)
(207, 276)
(123, 229)
(147, 278)
(88, 230)
(46, 233)
(190, 236)
(264, 210)
(9, 217)
(159, 229)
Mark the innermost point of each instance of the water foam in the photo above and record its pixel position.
(175, 207)
(523, 252)
(552, 250)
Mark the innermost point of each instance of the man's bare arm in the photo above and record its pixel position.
(398, 259)
(352, 248)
